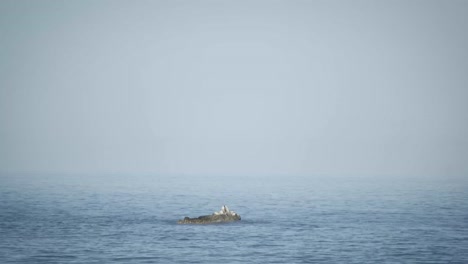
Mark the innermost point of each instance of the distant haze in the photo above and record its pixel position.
(234, 87)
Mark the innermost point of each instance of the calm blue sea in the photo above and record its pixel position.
(132, 219)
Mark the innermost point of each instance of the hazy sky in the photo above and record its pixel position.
(234, 87)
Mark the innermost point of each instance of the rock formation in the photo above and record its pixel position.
(223, 216)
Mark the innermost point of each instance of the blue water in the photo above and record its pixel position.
(132, 219)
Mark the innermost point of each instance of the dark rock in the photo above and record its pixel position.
(211, 219)
(223, 216)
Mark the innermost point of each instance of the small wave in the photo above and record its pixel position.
(129, 259)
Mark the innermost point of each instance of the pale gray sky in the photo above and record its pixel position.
(234, 87)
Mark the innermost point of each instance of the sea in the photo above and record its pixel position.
(285, 219)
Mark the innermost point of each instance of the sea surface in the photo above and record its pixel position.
(133, 219)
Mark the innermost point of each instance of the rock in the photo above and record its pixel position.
(223, 216)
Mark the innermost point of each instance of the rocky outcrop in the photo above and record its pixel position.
(222, 216)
